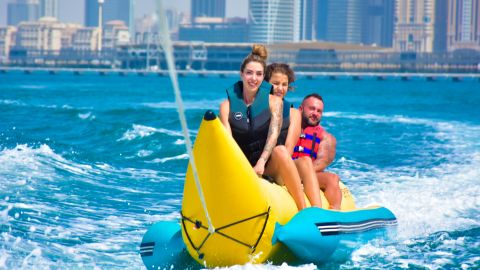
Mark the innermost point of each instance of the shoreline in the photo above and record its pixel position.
(332, 75)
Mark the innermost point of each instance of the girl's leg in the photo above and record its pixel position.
(281, 165)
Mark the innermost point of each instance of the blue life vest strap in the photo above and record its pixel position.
(307, 151)
(310, 137)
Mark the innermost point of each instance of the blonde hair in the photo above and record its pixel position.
(258, 54)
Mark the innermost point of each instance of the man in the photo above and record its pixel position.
(320, 146)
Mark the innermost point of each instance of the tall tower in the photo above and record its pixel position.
(22, 10)
(377, 25)
(274, 21)
(463, 28)
(308, 19)
(321, 20)
(414, 25)
(440, 26)
(345, 21)
(100, 25)
(112, 10)
(49, 8)
(207, 8)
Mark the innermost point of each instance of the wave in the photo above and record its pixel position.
(32, 86)
(140, 131)
(163, 160)
(12, 102)
(426, 199)
(25, 165)
(188, 105)
(86, 116)
(400, 119)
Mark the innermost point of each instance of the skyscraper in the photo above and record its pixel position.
(274, 21)
(321, 20)
(414, 25)
(378, 22)
(308, 19)
(345, 21)
(207, 8)
(440, 26)
(49, 8)
(463, 28)
(112, 10)
(22, 10)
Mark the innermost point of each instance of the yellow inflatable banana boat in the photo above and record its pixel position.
(242, 207)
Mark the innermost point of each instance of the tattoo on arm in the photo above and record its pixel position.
(273, 130)
(323, 157)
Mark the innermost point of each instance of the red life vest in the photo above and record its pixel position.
(307, 144)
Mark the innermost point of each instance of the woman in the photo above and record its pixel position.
(254, 118)
(281, 76)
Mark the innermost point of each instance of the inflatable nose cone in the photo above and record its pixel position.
(317, 235)
(162, 247)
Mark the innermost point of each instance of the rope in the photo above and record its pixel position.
(168, 50)
(199, 225)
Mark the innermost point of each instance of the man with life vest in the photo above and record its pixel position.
(316, 143)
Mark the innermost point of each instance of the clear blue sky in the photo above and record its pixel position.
(73, 10)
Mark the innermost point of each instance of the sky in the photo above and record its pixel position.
(73, 10)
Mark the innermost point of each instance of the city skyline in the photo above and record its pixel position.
(73, 11)
(402, 25)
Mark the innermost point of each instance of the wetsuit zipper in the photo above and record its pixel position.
(249, 122)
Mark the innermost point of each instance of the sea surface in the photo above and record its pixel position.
(89, 162)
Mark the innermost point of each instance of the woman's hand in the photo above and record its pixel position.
(259, 168)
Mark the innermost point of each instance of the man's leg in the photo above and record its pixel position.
(309, 180)
(329, 183)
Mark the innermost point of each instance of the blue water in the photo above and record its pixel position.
(88, 163)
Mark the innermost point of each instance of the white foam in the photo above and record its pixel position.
(179, 142)
(23, 163)
(86, 116)
(3, 259)
(188, 104)
(163, 160)
(35, 253)
(283, 266)
(144, 153)
(12, 102)
(140, 131)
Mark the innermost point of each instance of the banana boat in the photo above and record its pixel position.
(231, 216)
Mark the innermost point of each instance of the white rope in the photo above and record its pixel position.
(168, 50)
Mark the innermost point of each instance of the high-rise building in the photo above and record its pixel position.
(207, 8)
(463, 28)
(377, 25)
(42, 35)
(7, 34)
(86, 39)
(414, 25)
(440, 26)
(212, 29)
(22, 11)
(274, 21)
(345, 21)
(120, 10)
(308, 19)
(115, 33)
(321, 20)
(49, 8)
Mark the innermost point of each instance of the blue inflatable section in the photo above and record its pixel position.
(318, 235)
(162, 247)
